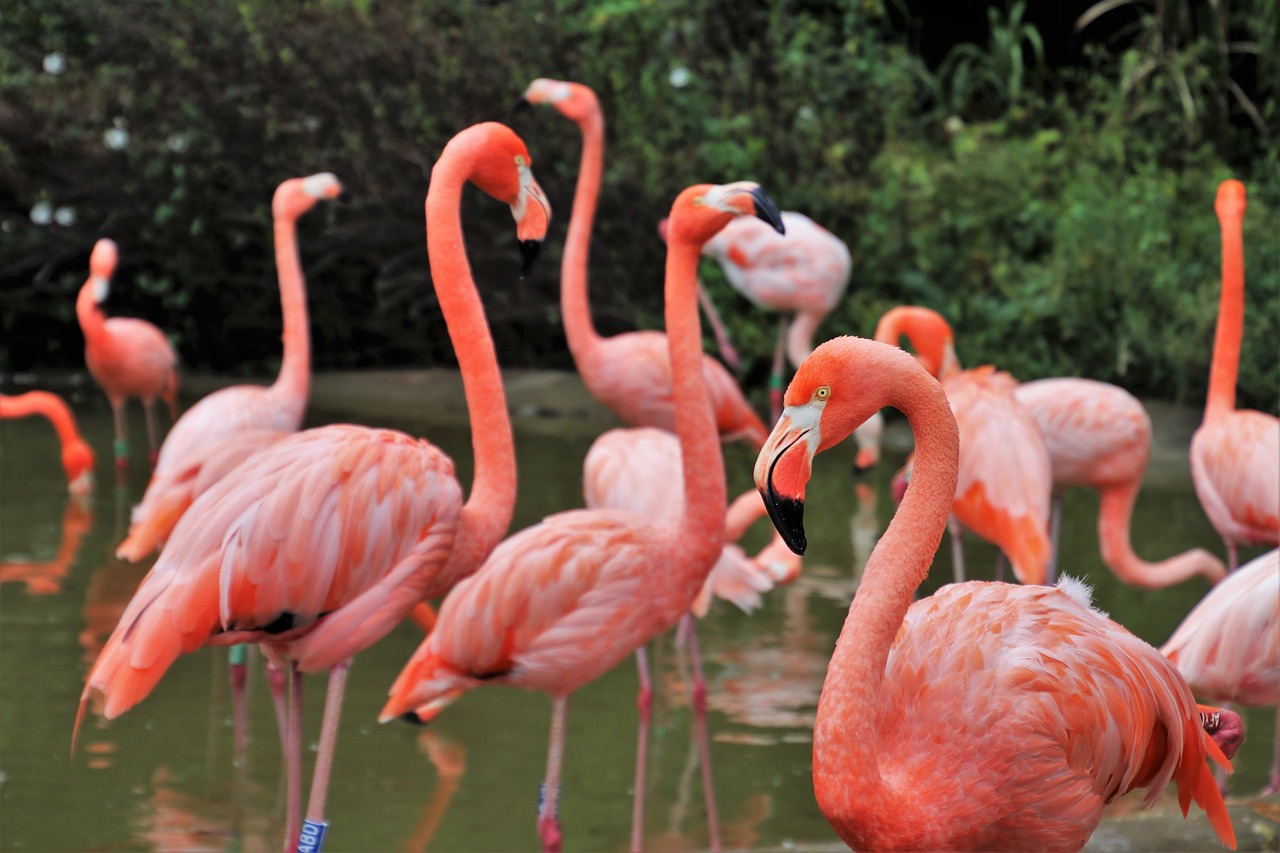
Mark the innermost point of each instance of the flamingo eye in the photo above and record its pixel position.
(822, 393)
(520, 160)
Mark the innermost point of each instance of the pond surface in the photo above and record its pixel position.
(163, 775)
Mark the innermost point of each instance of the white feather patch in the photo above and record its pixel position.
(101, 287)
(1080, 591)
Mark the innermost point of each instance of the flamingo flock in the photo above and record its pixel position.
(984, 716)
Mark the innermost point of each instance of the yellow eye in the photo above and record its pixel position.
(519, 159)
(822, 393)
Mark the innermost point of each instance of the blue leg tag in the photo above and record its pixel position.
(312, 838)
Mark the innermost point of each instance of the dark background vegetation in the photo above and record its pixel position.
(1042, 173)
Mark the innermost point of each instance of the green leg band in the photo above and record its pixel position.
(122, 449)
(237, 654)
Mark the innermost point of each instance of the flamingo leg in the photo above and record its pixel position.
(315, 825)
(698, 701)
(237, 674)
(1273, 786)
(644, 705)
(550, 833)
(149, 409)
(1233, 556)
(293, 761)
(957, 549)
(1055, 528)
(1000, 561)
(121, 446)
(775, 376)
(727, 352)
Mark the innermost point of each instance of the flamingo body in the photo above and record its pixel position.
(1228, 646)
(987, 716)
(1005, 480)
(211, 426)
(1099, 436)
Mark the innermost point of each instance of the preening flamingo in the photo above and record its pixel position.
(316, 547)
(1228, 647)
(127, 357)
(1003, 492)
(987, 716)
(632, 470)
(215, 426)
(1235, 454)
(77, 456)
(562, 602)
(1099, 436)
(629, 373)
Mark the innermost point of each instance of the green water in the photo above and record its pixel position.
(163, 776)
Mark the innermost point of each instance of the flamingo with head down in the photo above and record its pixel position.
(77, 456)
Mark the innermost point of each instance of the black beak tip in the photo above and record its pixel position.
(787, 515)
(859, 470)
(520, 106)
(413, 718)
(528, 254)
(767, 210)
(344, 197)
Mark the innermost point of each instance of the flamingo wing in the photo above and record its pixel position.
(1228, 647)
(1235, 465)
(1097, 434)
(303, 530)
(807, 269)
(1005, 481)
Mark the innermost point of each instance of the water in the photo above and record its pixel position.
(163, 776)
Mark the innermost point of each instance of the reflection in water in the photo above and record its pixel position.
(864, 527)
(45, 577)
(449, 759)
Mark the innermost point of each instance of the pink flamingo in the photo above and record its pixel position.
(1099, 436)
(629, 373)
(216, 425)
(560, 603)
(126, 356)
(1235, 454)
(986, 716)
(318, 546)
(1005, 483)
(632, 470)
(77, 456)
(1228, 647)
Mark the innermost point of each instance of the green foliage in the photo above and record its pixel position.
(1063, 220)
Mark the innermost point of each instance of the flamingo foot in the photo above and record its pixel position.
(550, 832)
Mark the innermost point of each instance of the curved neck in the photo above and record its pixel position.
(89, 313)
(486, 515)
(43, 403)
(702, 524)
(800, 335)
(1114, 514)
(845, 736)
(295, 366)
(574, 303)
(1226, 340)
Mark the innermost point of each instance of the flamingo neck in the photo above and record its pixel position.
(702, 526)
(800, 335)
(89, 314)
(294, 380)
(1230, 329)
(847, 774)
(575, 305)
(1114, 514)
(487, 513)
(50, 406)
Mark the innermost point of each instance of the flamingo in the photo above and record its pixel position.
(216, 426)
(632, 470)
(629, 373)
(562, 602)
(318, 546)
(1099, 435)
(987, 716)
(1235, 454)
(1003, 493)
(1228, 647)
(77, 456)
(128, 357)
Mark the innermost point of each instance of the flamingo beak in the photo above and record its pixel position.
(532, 213)
(767, 210)
(782, 471)
(82, 484)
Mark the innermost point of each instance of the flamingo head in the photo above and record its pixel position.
(78, 462)
(1230, 202)
(296, 196)
(700, 211)
(502, 168)
(102, 265)
(929, 333)
(574, 101)
(829, 396)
